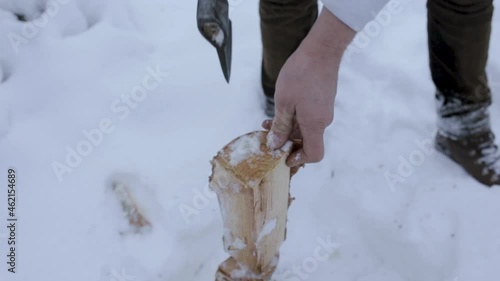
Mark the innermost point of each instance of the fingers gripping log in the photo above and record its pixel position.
(252, 185)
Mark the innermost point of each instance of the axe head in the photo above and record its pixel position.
(215, 25)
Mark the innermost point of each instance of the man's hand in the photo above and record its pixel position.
(306, 88)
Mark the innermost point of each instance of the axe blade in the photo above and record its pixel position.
(215, 26)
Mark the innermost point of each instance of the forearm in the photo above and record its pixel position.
(328, 39)
(356, 13)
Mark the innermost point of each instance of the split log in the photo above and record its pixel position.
(252, 184)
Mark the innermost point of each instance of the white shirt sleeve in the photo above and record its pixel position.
(355, 13)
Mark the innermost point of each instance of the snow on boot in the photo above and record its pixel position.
(269, 107)
(268, 101)
(464, 135)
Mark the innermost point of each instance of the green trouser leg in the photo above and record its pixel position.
(459, 36)
(284, 24)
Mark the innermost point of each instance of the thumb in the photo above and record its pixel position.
(281, 129)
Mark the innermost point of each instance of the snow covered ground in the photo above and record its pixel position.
(135, 88)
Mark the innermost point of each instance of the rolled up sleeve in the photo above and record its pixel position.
(355, 13)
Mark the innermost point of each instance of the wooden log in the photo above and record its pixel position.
(252, 184)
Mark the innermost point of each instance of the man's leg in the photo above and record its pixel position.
(459, 35)
(284, 24)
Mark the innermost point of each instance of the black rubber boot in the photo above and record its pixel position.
(478, 155)
(268, 101)
(269, 107)
(465, 136)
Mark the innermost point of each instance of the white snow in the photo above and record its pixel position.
(272, 140)
(238, 244)
(437, 224)
(244, 148)
(236, 187)
(253, 183)
(219, 38)
(244, 272)
(269, 226)
(228, 237)
(285, 148)
(298, 156)
(29, 8)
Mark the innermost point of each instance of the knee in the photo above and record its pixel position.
(462, 7)
(296, 4)
(287, 10)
